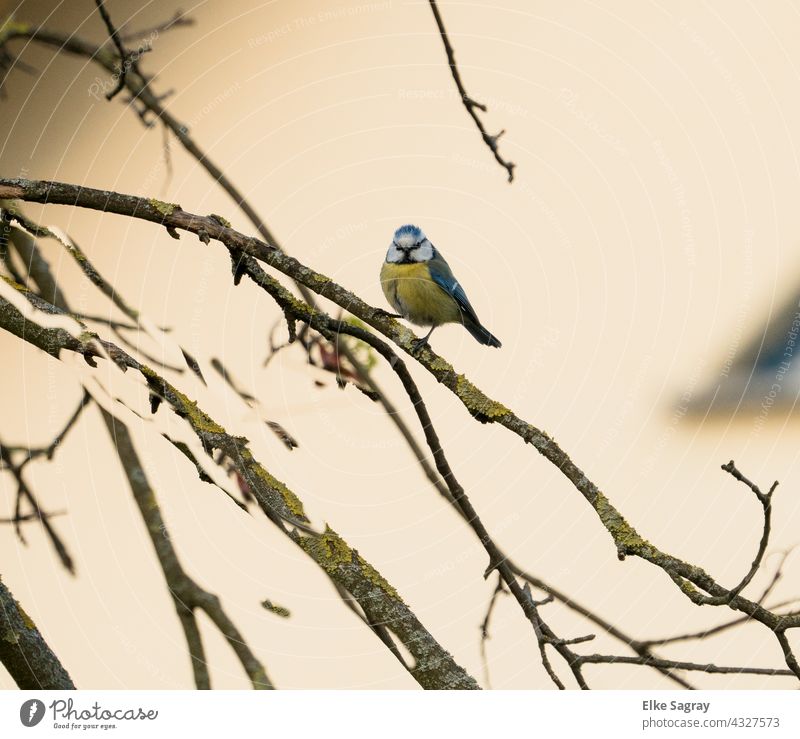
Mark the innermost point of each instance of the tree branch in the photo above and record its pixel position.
(331, 329)
(484, 628)
(668, 664)
(766, 502)
(621, 534)
(138, 86)
(124, 55)
(49, 450)
(626, 538)
(469, 103)
(178, 19)
(187, 595)
(25, 493)
(456, 495)
(190, 627)
(23, 651)
(434, 667)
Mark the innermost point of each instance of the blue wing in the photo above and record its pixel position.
(443, 276)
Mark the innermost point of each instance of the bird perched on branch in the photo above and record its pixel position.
(420, 286)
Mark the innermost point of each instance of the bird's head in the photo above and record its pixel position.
(409, 245)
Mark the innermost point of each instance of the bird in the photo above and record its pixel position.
(421, 287)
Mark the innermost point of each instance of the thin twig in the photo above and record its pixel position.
(470, 104)
(25, 517)
(605, 659)
(726, 597)
(705, 633)
(378, 629)
(180, 19)
(98, 280)
(484, 627)
(637, 646)
(25, 493)
(49, 450)
(124, 56)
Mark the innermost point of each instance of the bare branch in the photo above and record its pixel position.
(180, 19)
(668, 664)
(705, 633)
(124, 55)
(25, 517)
(484, 628)
(98, 280)
(640, 647)
(25, 493)
(469, 103)
(49, 450)
(36, 266)
(766, 502)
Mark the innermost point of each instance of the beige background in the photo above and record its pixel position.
(652, 228)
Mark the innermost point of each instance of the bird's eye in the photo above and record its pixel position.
(419, 243)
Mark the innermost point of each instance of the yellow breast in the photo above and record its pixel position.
(414, 295)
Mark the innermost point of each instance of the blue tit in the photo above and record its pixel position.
(420, 286)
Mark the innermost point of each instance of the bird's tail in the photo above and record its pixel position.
(481, 335)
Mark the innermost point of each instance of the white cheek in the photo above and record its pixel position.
(424, 253)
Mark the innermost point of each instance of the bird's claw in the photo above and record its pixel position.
(385, 313)
(418, 344)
